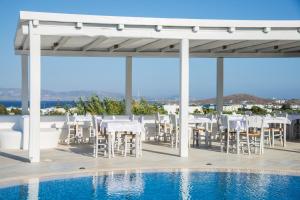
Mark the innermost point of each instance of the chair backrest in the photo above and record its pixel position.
(256, 122)
(108, 117)
(68, 117)
(95, 124)
(157, 117)
(173, 120)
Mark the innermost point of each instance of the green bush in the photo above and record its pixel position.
(142, 107)
(3, 110)
(16, 111)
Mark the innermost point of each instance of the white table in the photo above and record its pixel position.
(112, 126)
(293, 118)
(278, 120)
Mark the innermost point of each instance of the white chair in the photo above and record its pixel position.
(174, 131)
(162, 128)
(71, 129)
(100, 141)
(255, 133)
(277, 131)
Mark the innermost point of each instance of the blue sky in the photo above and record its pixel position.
(156, 77)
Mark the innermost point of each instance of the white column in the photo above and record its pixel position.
(220, 84)
(128, 85)
(184, 98)
(35, 94)
(25, 86)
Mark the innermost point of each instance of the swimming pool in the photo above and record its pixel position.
(161, 185)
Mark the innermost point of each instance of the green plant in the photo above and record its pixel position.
(142, 107)
(3, 110)
(114, 107)
(16, 111)
(258, 111)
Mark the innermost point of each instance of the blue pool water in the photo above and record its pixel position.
(163, 185)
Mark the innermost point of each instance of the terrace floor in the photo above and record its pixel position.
(67, 160)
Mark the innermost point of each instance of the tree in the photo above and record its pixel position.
(114, 107)
(94, 106)
(258, 111)
(3, 110)
(80, 107)
(286, 106)
(142, 107)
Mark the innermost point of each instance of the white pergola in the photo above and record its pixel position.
(51, 34)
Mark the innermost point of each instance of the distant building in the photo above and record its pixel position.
(209, 106)
(174, 108)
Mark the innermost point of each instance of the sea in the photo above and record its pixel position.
(44, 104)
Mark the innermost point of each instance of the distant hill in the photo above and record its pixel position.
(48, 95)
(237, 99)
(13, 94)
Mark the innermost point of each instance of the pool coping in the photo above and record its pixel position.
(13, 181)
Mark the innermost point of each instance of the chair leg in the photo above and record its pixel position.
(125, 145)
(273, 138)
(269, 132)
(248, 145)
(227, 145)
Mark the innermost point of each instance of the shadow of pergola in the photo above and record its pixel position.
(13, 157)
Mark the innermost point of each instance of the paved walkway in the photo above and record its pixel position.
(78, 159)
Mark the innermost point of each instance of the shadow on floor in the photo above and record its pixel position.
(281, 149)
(82, 149)
(14, 157)
(160, 152)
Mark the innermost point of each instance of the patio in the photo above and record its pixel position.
(67, 161)
(52, 34)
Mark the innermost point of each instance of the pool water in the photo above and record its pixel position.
(161, 185)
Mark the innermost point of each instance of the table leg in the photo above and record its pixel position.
(273, 138)
(238, 142)
(140, 146)
(109, 145)
(137, 145)
(284, 135)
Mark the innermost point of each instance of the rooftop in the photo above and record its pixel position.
(90, 35)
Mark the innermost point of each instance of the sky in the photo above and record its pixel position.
(156, 77)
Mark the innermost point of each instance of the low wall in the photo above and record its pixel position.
(53, 130)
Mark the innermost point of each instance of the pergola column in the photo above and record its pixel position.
(220, 84)
(184, 98)
(25, 86)
(35, 94)
(128, 86)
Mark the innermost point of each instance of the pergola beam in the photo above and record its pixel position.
(262, 46)
(279, 47)
(238, 45)
(292, 49)
(211, 45)
(94, 43)
(62, 41)
(25, 43)
(162, 54)
(123, 44)
(218, 34)
(152, 45)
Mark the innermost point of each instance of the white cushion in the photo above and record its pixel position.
(10, 139)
